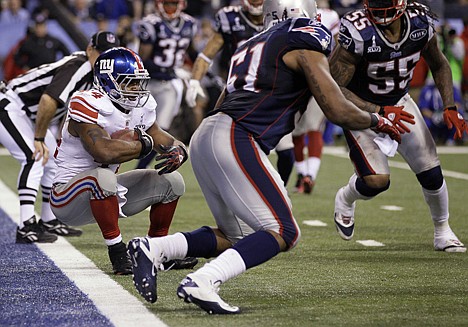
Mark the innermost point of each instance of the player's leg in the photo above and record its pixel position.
(419, 150)
(17, 136)
(285, 152)
(92, 197)
(298, 135)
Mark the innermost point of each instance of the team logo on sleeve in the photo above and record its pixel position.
(323, 38)
(344, 41)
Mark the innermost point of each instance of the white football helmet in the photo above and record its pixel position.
(384, 12)
(253, 7)
(275, 11)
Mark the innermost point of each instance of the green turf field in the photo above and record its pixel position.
(325, 281)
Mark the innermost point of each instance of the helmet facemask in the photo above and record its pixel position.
(170, 9)
(384, 12)
(254, 10)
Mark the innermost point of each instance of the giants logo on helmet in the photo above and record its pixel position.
(106, 65)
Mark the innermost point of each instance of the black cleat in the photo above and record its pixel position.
(57, 227)
(33, 232)
(177, 264)
(120, 259)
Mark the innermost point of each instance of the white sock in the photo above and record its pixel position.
(46, 212)
(301, 167)
(227, 265)
(26, 212)
(173, 246)
(438, 203)
(313, 166)
(114, 241)
(351, 194)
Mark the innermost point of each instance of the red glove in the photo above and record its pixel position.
(171, 158)
(397, 116)
(453, 118)
(381, 124)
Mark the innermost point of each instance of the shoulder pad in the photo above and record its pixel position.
(305, 33)
(85, 106)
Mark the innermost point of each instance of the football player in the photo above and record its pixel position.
(234, 26)
(378, 49)
(32, 106)
(272, 76)
(87, 188)
(164, 39)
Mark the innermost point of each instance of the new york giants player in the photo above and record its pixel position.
(87, 188)
(379, 47)
(164, 40)
(234, 26)
(272, 76)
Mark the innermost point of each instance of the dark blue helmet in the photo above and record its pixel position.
(119, 72)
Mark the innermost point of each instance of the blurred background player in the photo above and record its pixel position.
(234, 26)
(31, 109)
(86, 187)
(378, 49)
(287, 64)
(312, 123)
(165, 38)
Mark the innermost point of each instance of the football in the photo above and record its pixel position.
(125, 135)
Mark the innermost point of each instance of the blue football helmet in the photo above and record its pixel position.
(119, 72)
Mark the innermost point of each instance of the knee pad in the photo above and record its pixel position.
(431, 179)
(365, 190)
(107, 181)
(177, 183)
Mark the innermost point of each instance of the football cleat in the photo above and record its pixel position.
(146, 261)
(299, 187)
(33, 232)
(344, 217)
(119, 258)
(308, 184)
(204, 293)
(57, 227)
(449, 244)
(177, 264)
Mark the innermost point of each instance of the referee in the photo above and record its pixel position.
(32, 106)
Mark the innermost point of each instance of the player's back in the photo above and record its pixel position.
(263, 94)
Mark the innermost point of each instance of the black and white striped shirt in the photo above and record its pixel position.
(59, 80)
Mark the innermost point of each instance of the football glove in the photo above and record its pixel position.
(194, 89)
(146, 142)
(397, 116)
(452, 119)
(171, 157)
(381, 124)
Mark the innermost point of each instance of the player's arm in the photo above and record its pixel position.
(145, 51)
(45, 113)
(101, 147)
(314, 66)
(172, 153)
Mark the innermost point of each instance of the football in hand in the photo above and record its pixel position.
(125, 135)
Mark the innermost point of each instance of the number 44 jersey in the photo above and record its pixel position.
(262, 93)
(385, 70)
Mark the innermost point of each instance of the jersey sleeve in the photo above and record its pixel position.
(83, 109)
(222, 22)
(146, 30)
(350, 38)
(310, 35)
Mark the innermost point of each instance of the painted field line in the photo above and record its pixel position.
(314, 223)
(391, 208)
(111, 299)
(370, 243)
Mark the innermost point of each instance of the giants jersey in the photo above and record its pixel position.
(170, 41)
(59, 80)
(94, 107)
(262, 93)
(233, 24)
(385, 70)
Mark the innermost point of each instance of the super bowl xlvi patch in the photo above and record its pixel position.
(317, 32)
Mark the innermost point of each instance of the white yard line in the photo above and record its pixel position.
(111, 299)
(370, 243)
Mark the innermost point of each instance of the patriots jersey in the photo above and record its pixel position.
(262, 93)
(170, 40)
(233, 24)
(94, 107)
(385, 70)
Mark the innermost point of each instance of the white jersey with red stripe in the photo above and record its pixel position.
(95, 107)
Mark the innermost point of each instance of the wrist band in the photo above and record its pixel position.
(382, 111)
(204, 57)
(374, 120)
(39, 139)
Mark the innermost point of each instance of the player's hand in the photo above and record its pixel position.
(41, 151)
(194, 89)
(146, 140)
(171, 157)
(397, 116)
(385, 126)
(452, 119)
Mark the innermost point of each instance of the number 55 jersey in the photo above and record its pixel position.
(385, 70)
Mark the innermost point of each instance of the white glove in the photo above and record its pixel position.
(194, 89)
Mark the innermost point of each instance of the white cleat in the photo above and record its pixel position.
(449, 244)
(204, 293)
(344, 217)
